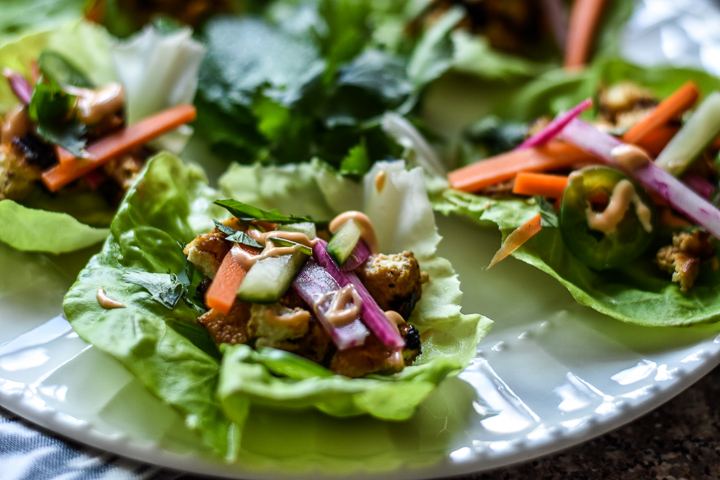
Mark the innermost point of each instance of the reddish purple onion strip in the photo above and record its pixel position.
(652, 177)
(19, 85)
(700, 185)
(359, 254)
(373, 317)
(312, 284)
(554, 128)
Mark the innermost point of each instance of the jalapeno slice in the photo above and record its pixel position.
(606, 219)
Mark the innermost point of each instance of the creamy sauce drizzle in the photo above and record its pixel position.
(247, 259)
(380, 180)
(622, 196)
(106, 302)
(394, 318)
(345, 306)
(291, 319)
(93, 105)
(367, 232)
(297, 237)
(629, 157)
(16, 124)
(397, 361)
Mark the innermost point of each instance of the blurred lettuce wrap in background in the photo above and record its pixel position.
(174, 357)
(637, 292)
(156, 71)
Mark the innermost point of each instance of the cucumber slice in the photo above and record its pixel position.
(343, 241)
(693, 138)
(304, 227)
(269, 279)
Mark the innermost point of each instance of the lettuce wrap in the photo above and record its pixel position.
(157, 71)
(638, 292)
(156, 335)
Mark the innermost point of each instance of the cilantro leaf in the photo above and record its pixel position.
(243, 238)
(165, 288)
(49, 102)
(50, 107)
(237, 236)
(548, 217)
(68, 135)
(356, 162)
(246, 212)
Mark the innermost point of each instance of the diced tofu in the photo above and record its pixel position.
(394, 281)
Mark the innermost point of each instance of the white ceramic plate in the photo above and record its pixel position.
(551, 374)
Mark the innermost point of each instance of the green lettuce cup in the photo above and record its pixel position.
(163, 345)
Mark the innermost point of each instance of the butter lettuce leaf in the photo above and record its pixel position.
(173, 356)
(165, 349)
(403, 219)
(35, 230)
(639, 292)
(56, 224)
(102, 60)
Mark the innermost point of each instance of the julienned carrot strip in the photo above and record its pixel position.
(223, 289)
(672, 107)
(503, 167)
(655, 140)
(519, 236)
(584, 19)
(117, 144)
(540, 184)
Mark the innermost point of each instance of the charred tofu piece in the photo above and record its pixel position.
(371, 357)
(683, 258)
(413, 347)
(374, 357)
(394, 281)
(206, 252)
(624, 104)
(291, 329)
(17, 177)
(231, 328)
(124, 169)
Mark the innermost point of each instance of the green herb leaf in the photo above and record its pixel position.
(224, 229)
(237, 236)
(49, 102)
(357, 161)
(548, 217)
(246, 212)
(51, 107)
(243, 239)
(69, 136)
(165, 288)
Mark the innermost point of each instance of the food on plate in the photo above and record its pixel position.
(280, 285)
(276, 339)
(79, 118)
(621, 210)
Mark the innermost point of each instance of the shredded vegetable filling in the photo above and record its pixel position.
(284, 297)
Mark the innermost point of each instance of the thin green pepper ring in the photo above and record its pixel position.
(617, 246)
